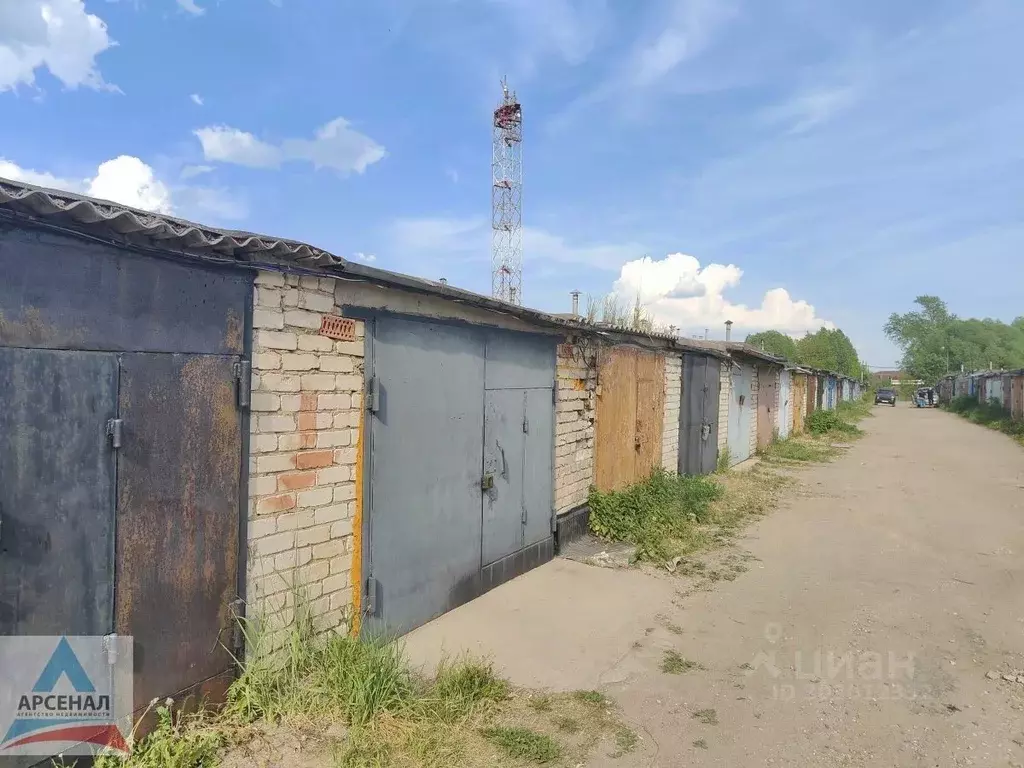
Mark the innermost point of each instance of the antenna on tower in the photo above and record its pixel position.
(507, 199)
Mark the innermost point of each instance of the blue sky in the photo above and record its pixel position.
(780, 164)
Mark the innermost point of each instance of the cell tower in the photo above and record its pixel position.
(507, 200)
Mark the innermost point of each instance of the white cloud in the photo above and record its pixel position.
(125, 180)
(469, 239)
(335, 145)
(189, 6)
(54, 34)
(9, 170)
(197, 99)
(679, 292)
(689, 29)
(230, 145)
(129, 181)
(452, 174)
(367, 257)
(191, 171)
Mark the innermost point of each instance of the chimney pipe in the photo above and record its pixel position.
(443, 281)
(575, 303)
(728, 330)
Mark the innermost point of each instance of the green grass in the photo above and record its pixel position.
(652, 514)
(798, 449)
(625, 742)
(674, 664)
(523, 743)
(594, 698)
(830, 423)
(706, 716)
(180, 740)
(990, 415)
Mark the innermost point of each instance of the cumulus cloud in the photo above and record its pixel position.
(197, 99)
(189, 6)
(129, 181)
(679, 291)
(229, 145)
(334, 145)
(57, 35)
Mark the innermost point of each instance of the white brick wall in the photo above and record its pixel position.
(575, 400)
(724, 399)
(755, 387)
(670, 430)
(306, 395)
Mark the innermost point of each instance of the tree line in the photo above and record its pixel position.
(935, 342)
(830, 350)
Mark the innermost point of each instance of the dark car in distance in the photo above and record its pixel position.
(885, 396)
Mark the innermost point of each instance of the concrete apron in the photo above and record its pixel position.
(563, 626)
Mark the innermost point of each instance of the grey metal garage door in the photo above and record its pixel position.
(740, 413)
(460, 454)
(702, 385)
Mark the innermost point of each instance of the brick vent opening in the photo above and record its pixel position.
(338, 328)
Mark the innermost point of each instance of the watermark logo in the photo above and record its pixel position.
(835, 672)
(68, 695)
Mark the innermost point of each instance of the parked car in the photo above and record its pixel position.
(887, 396)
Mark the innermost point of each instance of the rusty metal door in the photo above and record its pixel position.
(177, 521)
(630, 417)
(56, 492)
(698, 428)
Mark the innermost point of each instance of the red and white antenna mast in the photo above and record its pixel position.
(507, 200)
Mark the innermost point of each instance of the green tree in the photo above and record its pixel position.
(934, 341)
(774, 343)
(831, 350)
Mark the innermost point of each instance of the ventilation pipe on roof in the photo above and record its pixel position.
(728, 330)
(575, 303)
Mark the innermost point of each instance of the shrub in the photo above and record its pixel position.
(652, 512)
(825, 422)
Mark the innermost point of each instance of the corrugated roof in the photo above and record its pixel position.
(164, 231)
(177, 236)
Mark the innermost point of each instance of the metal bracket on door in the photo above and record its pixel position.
(243, 380)
(373, 395)
(115, 431)
(370, 597)
(487, 482)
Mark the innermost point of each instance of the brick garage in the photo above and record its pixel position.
(574, 429)
(670, 430)
(306, 402)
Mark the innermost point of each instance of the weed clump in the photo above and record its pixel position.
(991, 415)
(654, 512)
(829, 422)
(524, 743)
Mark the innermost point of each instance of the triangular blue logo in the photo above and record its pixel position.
(63, 662)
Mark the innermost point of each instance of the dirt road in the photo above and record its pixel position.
(883, 594)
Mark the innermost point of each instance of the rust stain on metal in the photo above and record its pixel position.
(357, 534)
(177, 542)
(31, 330)
(233, 332)
(338, 328)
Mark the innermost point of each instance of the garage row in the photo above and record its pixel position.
(209, 424)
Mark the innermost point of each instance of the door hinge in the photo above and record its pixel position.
(370, 597)
(115, 431)
(373, 395)
(523, 516)
(243, 383)
(526, 425)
